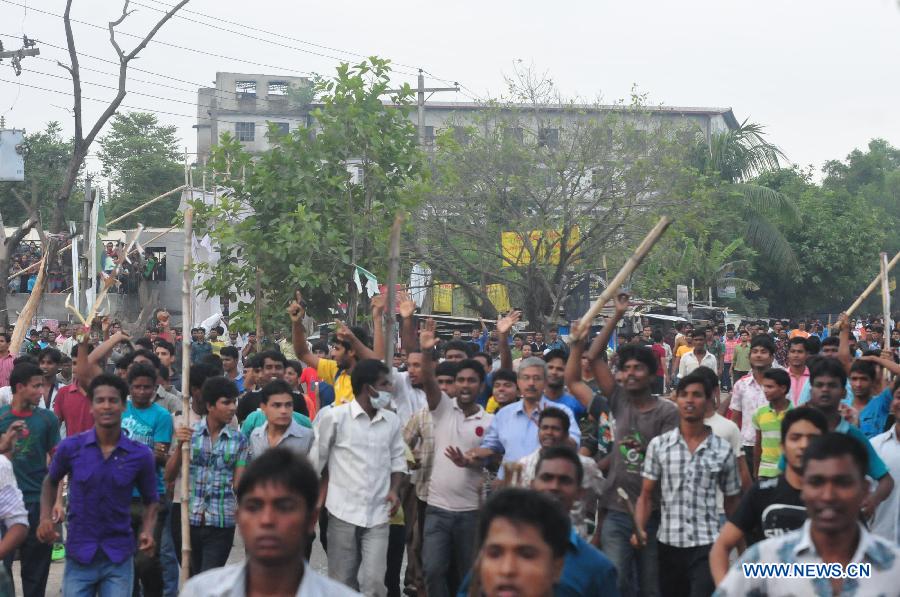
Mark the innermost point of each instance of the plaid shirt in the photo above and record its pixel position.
(688, 484)
(212, 499)
(419, 436)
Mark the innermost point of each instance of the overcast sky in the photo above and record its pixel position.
(821, 75)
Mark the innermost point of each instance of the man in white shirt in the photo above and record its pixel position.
(887, 445)
(361, 444)
(699, 357)
(454, 492)
(276, 514)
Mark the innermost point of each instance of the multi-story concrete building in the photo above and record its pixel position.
(244, 104)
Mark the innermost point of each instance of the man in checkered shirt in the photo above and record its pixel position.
(688, 463)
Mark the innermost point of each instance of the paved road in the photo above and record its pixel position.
(54, 584)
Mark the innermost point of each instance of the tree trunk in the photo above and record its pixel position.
(4, 286)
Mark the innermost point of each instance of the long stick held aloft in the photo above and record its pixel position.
(632, 264)
(871, 287)
(186, 323)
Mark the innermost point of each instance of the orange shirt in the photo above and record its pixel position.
(800, 333)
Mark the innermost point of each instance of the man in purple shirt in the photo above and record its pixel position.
(104, 467)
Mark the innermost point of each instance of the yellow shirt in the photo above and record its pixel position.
(492, 406)
(327, 370)
(683, 350)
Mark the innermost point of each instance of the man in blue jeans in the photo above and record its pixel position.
(104, 467)
(639, 417)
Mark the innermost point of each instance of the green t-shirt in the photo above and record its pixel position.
(258, 417)
(29, 454)
(741, 359)
(767, 421)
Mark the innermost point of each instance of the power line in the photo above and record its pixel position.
(163, 43)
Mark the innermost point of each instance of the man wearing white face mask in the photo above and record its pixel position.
(360, 443)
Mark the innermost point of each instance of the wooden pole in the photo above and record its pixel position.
(885, 307)
(258, 301)
(871, 287)
(186, 325)
(393, 269)
(632, 264)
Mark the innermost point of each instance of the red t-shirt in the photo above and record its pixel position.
(73, 408)
(308, 376)
(660, 353)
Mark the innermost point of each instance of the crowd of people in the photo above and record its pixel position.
(502, 463)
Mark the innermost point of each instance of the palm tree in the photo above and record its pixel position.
(715, 267)
(735, 158)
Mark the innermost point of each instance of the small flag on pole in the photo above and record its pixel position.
(371, 281)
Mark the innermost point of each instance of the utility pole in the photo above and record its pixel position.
(421, 90)
(27, 49)
(86, 276)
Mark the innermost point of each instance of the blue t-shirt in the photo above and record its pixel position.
(877, 467)
(873, 418)
(148, 426)
(573, 403)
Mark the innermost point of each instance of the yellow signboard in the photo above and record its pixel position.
(544, 243)
(443, 298)
(498, 297)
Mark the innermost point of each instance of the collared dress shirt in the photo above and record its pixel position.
(361, 454)
(296, 438)
(231, 581)
(212, 499)
(513, 432)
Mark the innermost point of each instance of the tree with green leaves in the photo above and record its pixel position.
(140, 156)
(733, 160)
(303, 213)
(535, 189)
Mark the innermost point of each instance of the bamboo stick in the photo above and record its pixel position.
(871, 287)
(23, 322)
(885, 308)
(632, 264)
(393, 270)
(186, 396)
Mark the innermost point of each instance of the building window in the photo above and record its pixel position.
(245, 131)
(429, 135)
(279, 88)
(282, 128)
(245, 89)
(513, 134)
(548, 137)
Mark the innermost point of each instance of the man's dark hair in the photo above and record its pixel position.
(835, 445)
(447, 369)
(272, 355)
(656, 335)
(141, 370)
(525, 506)
(280, 466)
(22, 374)
(164, 374)
(6, 335)
(50, 353)
(641, 354)
(558, 353)
(831, 341)
(25, 358)
(779, 376)
(487, 357)
(366, 372)
(113, 381)
(254, 361)
(214, 362)
(295, 365)
(230, 352)
(763, 341)
(803, 413)
(692, 378)
(144, 343)
(276, 386)
(827, 366)
(551, 412)
(198, 375)
(165, 345)
(867, 368)
(698, 333)
(505, 375)
(561, 453)
(320, 346)
(465, 347)
(147, 354)
(813, 345)
(218, 387)
(472, 364)
(712, 380)
(798, 341)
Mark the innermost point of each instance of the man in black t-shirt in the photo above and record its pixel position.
(771, 507)
(272, 363)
